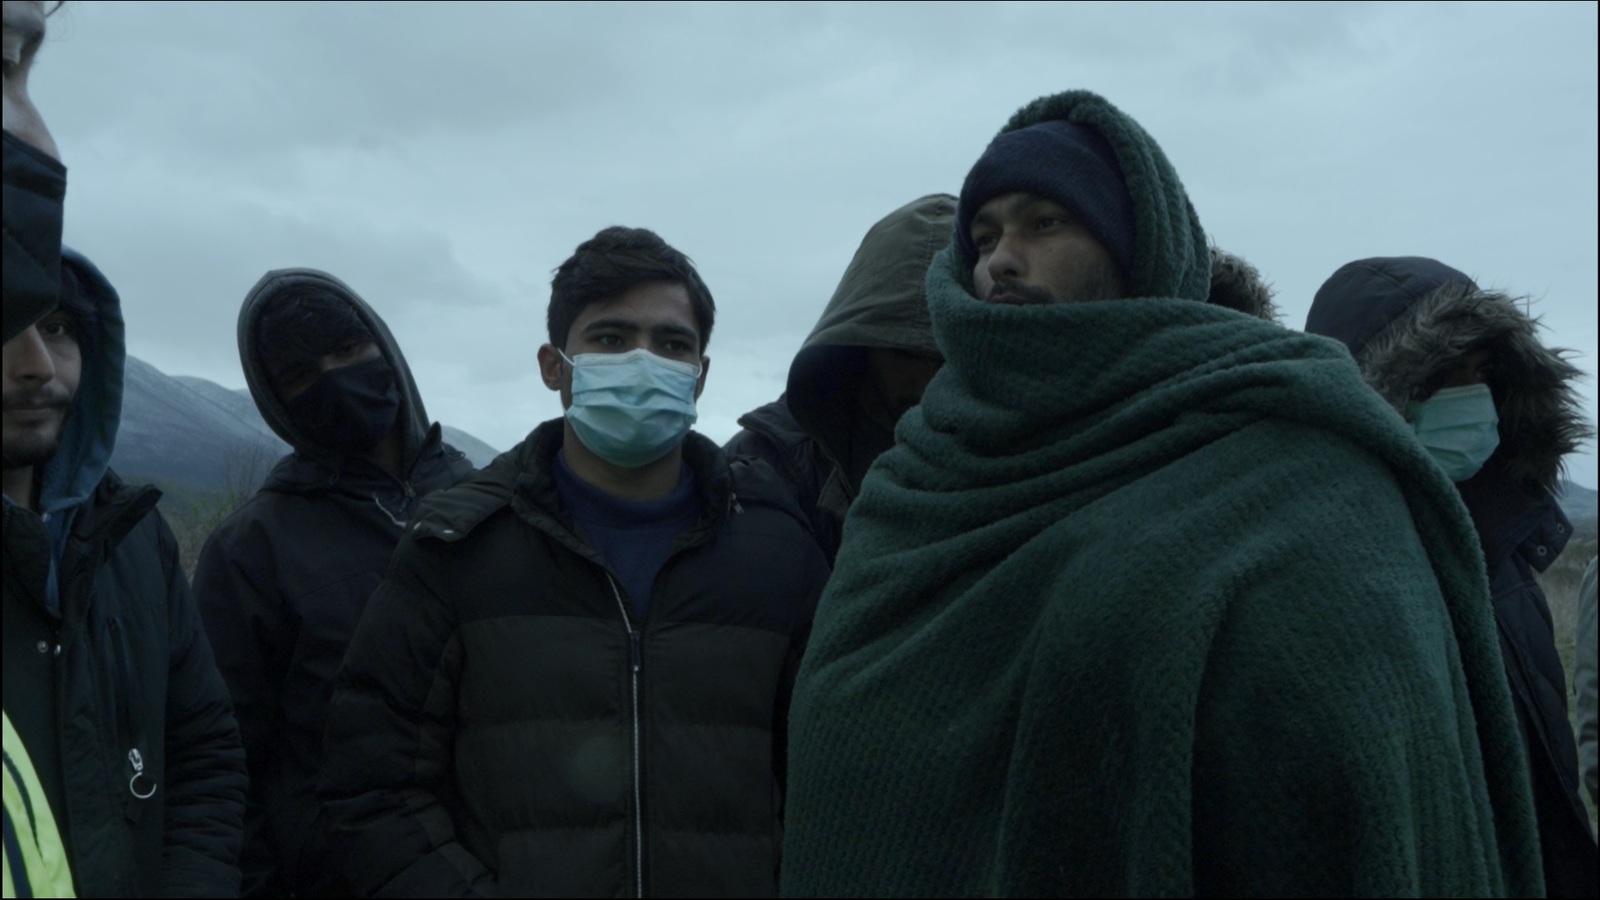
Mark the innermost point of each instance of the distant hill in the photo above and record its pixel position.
(196, 434)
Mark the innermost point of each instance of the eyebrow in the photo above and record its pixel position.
(674, 331)
(612, 324)
(631, 327)
(1020, 204)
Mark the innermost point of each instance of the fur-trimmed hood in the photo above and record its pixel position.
(1237, 285)
(1408, 321)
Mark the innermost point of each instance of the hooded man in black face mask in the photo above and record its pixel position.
(282, 583)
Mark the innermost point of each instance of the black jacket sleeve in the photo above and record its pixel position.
(205, 768)
(817, 574)
(388, 778)
(247, 626)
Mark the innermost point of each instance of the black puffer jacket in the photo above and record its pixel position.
(282, 583)
(1409, 321)
(502, 726)
(111, 685)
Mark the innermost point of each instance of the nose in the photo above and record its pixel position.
(28, 359)
(1007, 261)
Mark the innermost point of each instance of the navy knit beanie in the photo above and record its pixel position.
(1062, 161)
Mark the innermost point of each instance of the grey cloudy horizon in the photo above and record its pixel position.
(443, 159)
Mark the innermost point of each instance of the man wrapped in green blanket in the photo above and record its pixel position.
(1151, 597)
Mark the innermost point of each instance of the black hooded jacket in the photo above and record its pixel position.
(109, 679)
(503, 726)
(282, 583)
(1409, 321)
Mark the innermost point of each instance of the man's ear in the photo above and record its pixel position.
(551, 367)
(700, 383)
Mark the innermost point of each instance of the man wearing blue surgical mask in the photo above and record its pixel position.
(1498, 411)
(575, 678)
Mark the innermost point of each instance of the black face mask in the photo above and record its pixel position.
(35, 185)
(349, 409)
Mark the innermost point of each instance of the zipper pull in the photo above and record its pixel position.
(140, 790)
(633, 650)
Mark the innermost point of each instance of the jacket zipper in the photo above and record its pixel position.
(141, 786)
(634, 660)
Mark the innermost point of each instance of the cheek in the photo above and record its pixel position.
(69, 370)
(981, 281)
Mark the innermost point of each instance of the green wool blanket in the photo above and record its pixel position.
(1153, 598)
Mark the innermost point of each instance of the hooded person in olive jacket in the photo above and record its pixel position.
(574, 679)
(1498, 411)
(109, 678)
(282, 582)
(871, 355)
(866, 362)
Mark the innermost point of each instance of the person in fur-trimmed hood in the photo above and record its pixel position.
(1498, 411)
(1150, 597)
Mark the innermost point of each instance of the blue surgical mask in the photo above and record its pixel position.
(631, 409)
(1459, 427)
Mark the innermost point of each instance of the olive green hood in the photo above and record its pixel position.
(880, 302)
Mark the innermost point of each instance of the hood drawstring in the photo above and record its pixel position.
(405, 505)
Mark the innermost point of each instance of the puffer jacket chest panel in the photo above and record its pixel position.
(744, 574)
(546, 696)
(699, 720)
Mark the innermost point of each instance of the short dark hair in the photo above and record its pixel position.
(300, 329)
(617, 259)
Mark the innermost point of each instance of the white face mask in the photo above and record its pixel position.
(1459, 427)
(631, 409)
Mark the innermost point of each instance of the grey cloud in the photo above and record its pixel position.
(445, 157)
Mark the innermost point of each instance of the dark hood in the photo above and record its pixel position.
(90, 432)
(280, 284)
(1409, 320)
(880, 302)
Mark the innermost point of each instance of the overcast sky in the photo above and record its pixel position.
(444, 158)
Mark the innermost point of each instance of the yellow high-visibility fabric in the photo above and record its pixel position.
(31, 834)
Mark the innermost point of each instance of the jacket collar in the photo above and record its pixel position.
(523, 479)
(1512, 518)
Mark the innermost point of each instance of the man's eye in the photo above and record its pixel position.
(1044, 222)
(984, 241)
